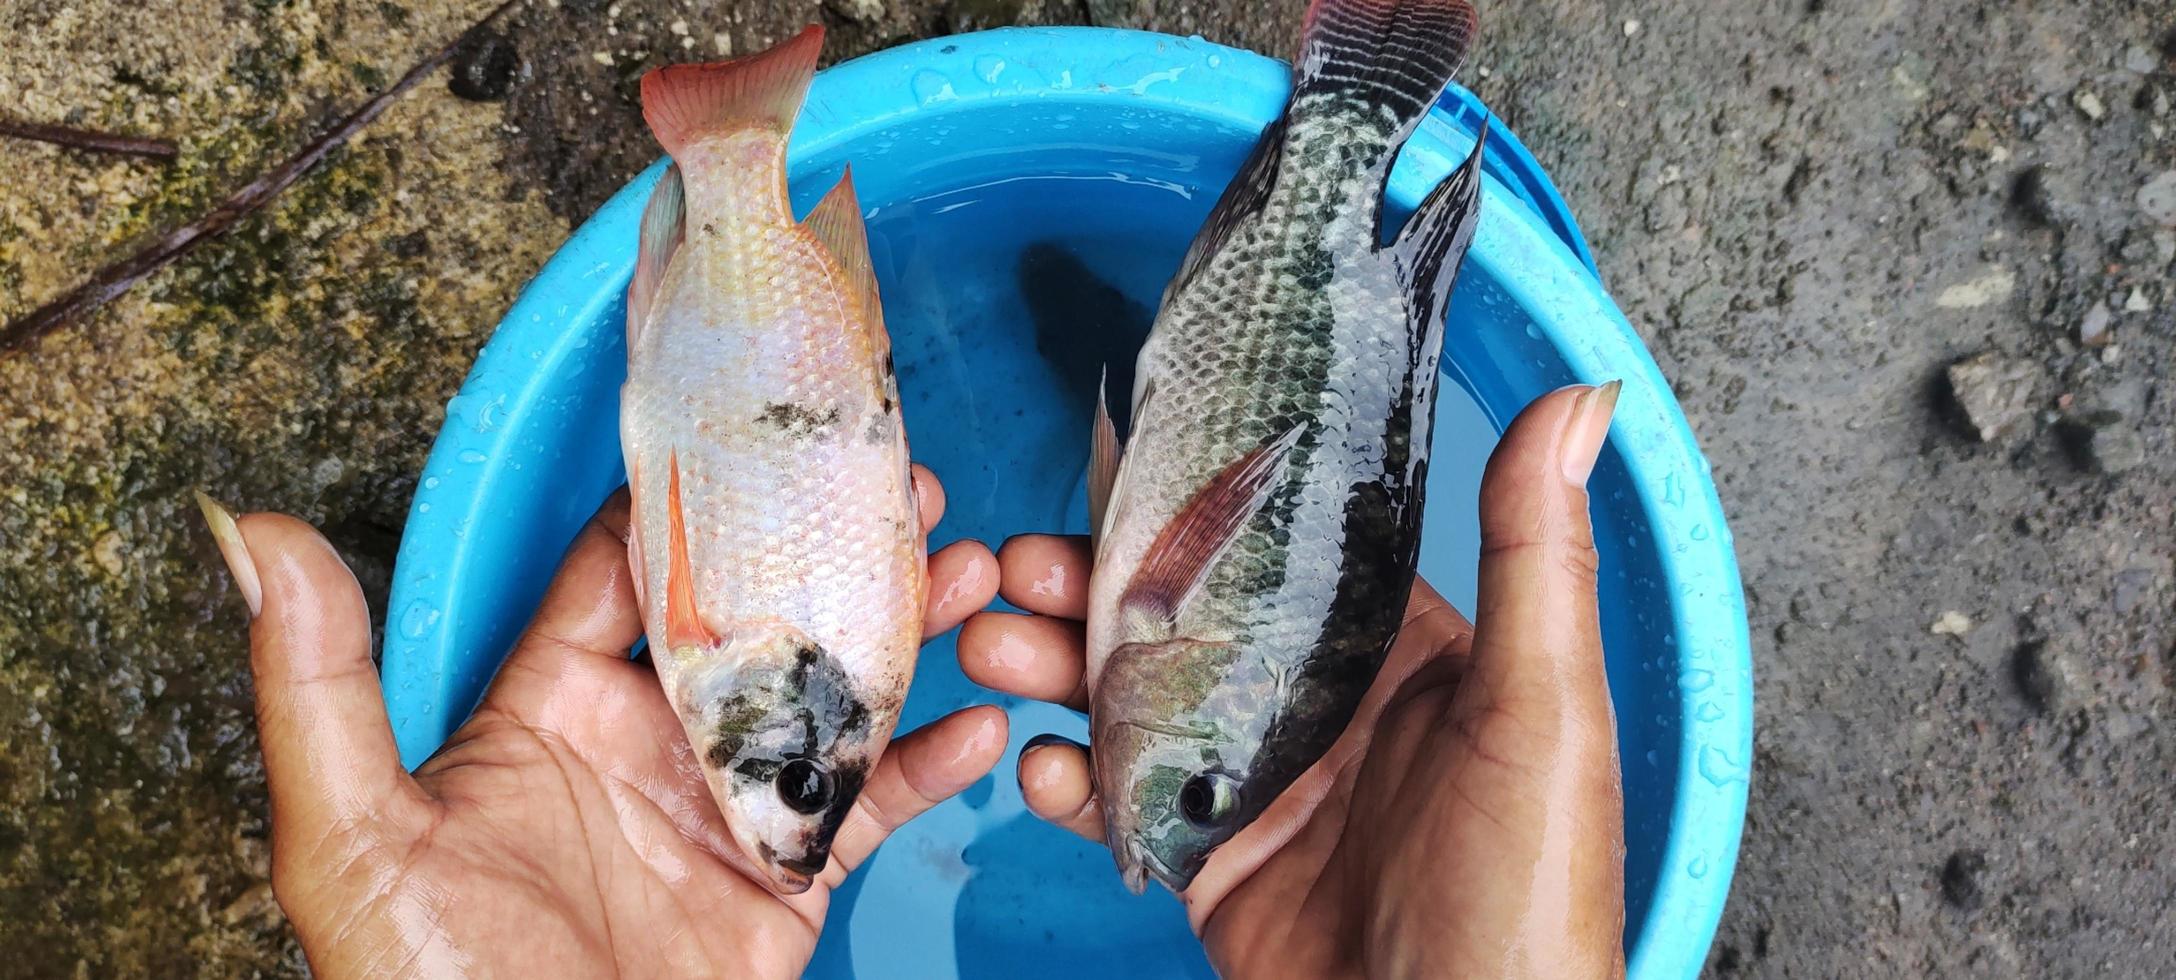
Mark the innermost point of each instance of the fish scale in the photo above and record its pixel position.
(1256, 538)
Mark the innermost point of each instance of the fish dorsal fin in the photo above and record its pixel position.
(1104, 454)
(684, 103)
(1433, 243)
(664, 227)
(684, 625)
(1242, 199)
(1178, 561)
(836, 222)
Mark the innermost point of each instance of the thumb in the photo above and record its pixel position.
(1538, 732)
(329, 757)
(1537, 641)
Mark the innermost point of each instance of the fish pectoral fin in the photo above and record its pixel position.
(683, 621)
(836, 222)
(1104, 455)
(1179, 559)
(635, 565)
(664, 227)
(684, 103)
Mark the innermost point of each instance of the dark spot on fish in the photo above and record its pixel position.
(879, 426)
(759, 770)
(803, 708)
(737, 719)
(709, 229)
(887, 404)
(798, 419)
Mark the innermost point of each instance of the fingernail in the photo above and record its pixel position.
(234, 551)
(1046, 740)
(1584, 434)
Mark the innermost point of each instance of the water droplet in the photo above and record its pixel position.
(989, 66)
(1717, 767)
(472, 456)
(1708, 711)
(424, 507)
(1695, 681)
(1673, 490)
(1654, 758)
(430, 483)
(488, 418)
(1699, 532)
(1698, 868)
(931, 85)
(416, 620)
(1533, 330)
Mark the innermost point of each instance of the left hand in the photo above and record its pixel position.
(565, 830)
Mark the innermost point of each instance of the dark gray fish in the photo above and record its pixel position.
(1256, 544)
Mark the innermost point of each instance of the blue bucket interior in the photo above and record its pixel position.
(1028, 193)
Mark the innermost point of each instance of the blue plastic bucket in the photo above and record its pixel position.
(969, 153)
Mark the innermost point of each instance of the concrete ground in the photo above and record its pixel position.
(1908, 264)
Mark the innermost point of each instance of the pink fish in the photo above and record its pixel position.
(776, 548)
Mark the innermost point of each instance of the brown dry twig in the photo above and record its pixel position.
(86, 139)
(115, 279)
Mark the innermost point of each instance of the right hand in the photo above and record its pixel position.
(1470, 820)
(566, 829)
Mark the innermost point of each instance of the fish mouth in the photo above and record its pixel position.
(1137, 864)
(790, 876)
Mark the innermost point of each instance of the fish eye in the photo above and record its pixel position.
(806, 785)
(1209, 800)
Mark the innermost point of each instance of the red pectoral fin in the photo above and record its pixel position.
(1179, 559)
(683, 623)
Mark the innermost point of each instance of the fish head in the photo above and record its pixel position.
(1175, 737)
(785, 742)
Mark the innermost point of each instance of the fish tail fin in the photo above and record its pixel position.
(1394, 54)
(684, 103)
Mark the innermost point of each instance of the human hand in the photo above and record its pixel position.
(565, 829)
(1469, 822)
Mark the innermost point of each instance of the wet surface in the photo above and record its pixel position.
(1810, 210)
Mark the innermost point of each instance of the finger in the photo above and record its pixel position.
(589, 611)
(1538, 639)
(1046, 573)
(928, 497)
(917, 771)
(328, 748)
(1038, 657)
(962, 579)
(1055, 783)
